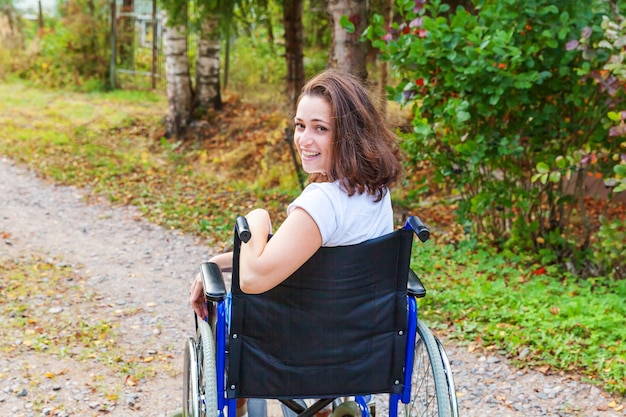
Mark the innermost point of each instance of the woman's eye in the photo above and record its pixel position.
(321, 129)
(299, 126)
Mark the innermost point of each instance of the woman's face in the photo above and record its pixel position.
(314, 134)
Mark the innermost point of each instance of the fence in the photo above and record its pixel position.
(137, 59)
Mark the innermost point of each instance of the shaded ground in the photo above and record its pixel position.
(137, 275)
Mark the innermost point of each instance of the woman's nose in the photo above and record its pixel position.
(303, 137)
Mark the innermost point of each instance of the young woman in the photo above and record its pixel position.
(352, 159)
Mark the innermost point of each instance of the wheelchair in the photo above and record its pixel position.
(342, 330)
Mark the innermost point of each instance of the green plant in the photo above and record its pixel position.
(72, 51)
(534, 314)
(601, 51)
(495, 94)
(609, 249)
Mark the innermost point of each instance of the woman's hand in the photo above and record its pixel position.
(197, 298)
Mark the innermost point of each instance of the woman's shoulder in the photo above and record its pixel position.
(336, 190)
(329, 188)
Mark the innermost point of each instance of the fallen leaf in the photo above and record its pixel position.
(131, 381)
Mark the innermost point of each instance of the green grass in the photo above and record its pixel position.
(110, 142)
(553, 320)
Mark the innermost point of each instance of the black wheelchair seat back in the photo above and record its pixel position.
(336, 327)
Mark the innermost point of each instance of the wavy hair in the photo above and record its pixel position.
(366, 156)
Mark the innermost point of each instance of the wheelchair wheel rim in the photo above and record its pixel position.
(191, 397)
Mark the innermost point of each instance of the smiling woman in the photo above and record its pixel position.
(352, 159)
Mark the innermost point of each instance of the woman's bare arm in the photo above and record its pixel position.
(265, 264)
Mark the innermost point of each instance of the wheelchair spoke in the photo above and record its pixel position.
(429, 388)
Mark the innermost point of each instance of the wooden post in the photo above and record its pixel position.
(40, 19)
(113, 55)
(154, 44)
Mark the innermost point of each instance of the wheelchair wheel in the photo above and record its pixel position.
(449, 378)
(191, 390)
(429, 387)
(207, 375)
(199, 379)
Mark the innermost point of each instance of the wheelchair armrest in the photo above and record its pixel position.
(414, 285)
(213, 282)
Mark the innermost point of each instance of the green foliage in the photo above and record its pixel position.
(315, 21)
(497, 97)
(609, 251)
(72, 52)
(602, 52)
(537, 316)
(266, 67)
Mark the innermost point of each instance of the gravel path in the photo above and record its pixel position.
(137, 266)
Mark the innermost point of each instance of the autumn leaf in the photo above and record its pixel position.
(131, 380)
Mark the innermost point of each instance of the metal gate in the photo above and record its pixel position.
(137, 60)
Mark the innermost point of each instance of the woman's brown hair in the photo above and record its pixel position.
(366, 156)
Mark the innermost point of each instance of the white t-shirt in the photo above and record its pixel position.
(342, 219)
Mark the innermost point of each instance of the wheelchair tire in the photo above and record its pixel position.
(191, 388)
(207, 375)
(429, 388)
(449, 379)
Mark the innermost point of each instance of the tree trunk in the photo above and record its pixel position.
(292, 20)
(179, 92)
(126, 34)
(208, 65)
(347, 52)
(384, 65)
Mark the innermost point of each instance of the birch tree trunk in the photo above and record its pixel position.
(179, 92)
(208, 65)
(347, 52)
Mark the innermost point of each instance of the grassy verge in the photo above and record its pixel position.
(539, 317)
(113, 143)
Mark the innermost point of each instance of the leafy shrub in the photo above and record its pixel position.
(609, 251)
(535, 315)
(495, 95)
(73, 50)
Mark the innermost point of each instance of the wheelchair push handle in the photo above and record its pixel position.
(242, 229)
(414, 223)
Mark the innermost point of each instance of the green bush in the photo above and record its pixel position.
(609, 251)
(537, 316)
(496, 95)
(72, 51)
